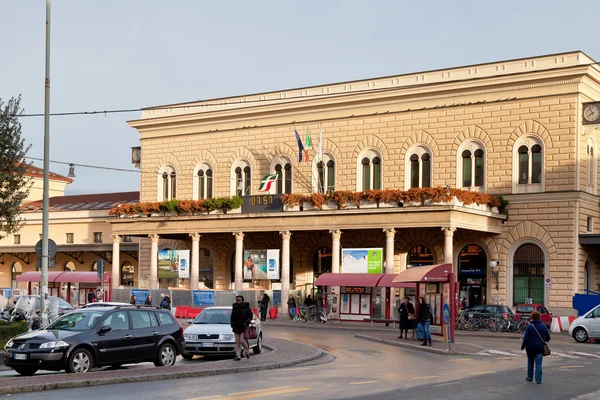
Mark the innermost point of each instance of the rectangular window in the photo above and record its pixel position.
(201, 184)
(321, 178)
(16, 239)
(97, 237)
(590, 226)
(414, 173)
(366, 172)
(69, 238)
(536, 167)
(426, 174)
(478, 170)
(330, 178)
(377, 176)
(467, 173)
(209, 183)
(523, 168)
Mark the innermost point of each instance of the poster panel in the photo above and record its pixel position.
(255, 264)
(204, 297)
(362, 261)
(183, 259)
(168, 264)
(140, 295)
(273, 264)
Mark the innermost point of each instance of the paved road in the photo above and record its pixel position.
(356, 368)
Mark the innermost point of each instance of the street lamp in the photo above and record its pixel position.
(494, 266)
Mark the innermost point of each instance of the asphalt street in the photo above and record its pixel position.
(361, 369)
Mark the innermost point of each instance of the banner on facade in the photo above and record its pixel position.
(140, 295)
(362, 261)
(261, 264)
(204, 297)
(173, 263)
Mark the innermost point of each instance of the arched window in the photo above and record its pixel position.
(127, 274)
(167, 183)
(528, 165)
(471, 166)
(70, 266)
(419, 256)
(16, 270)
(418, 167)
(369, 171)
(528, 280)
(324, 174)
(592, 167)
(241, 178)
(203, 182)
(283, 168)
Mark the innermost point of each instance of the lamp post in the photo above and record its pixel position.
(46, 199)
(494, 266)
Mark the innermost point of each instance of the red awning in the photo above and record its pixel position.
(388, 281)
(429, 273)
(342, 279)
(36, 276)
(82, 276)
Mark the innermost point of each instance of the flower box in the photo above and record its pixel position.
(367, 204)
(388, 204)
(495, 210)
(306, 206)
(232, 210)
(217, 211)
(291, 208)
(330, 205)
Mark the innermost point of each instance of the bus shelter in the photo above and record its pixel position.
(86, 281)
(437, 284)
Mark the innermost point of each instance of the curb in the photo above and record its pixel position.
(425, 349)
(146, 375)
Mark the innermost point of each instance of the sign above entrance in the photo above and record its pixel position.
(266, 203)
(353, 289)
(362, 261)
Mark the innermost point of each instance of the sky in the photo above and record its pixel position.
(130, 54)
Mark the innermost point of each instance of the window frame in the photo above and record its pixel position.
(244, 178)
(415, 157)
(284, 168)
(167, 183)
(203, 188)
(524, 154)
(373, 168)
(472, 147)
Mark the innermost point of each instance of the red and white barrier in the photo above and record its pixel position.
(561, 323)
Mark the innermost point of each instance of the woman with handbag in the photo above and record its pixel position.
(534, 343)
(406, 313)
(241, 316)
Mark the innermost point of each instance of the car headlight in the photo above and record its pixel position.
(54, 345)
(227, 336)
(189, 336)
(10, 343)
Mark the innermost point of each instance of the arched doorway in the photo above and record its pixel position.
(206, 264)
(528, 276)
(16, 270)
(70, 266)
(472, 272)
(127, 274)
(419, 256)
(322, 261)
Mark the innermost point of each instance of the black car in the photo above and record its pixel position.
(96, 337)
(488, 311)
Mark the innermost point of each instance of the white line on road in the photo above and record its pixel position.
(503, 353)
(585, 354)
(481, 372)
(570, 366)
(461, 359)
(448, 384)
(362, 383)
(426, 377)
(563, 355)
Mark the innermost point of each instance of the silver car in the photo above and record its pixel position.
(587, 326)
(210, 333)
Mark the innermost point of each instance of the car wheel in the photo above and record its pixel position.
(80, 361)
(258, 348)
(166, 356)
(580, 335)
(187, 356)
(26, 371)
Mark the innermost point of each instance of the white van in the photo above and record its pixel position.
(587, 326)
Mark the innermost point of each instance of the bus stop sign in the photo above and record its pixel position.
(446, 314)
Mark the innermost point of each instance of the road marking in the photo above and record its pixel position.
(252, 394)
(570, 366)
(461, 359)
(585, 354)
(503, 353)
(258, 391)
(448, 384)
(482, 372)
(290, 369)
(362, 383)
(207, 397)
(426, 377)
(507, 358)
(563, 355)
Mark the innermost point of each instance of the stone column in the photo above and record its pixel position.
(115, 276)
(336, 234)
(448, 245)
(285, 272)
(239, 259)
(389, 250)
(154, 262)
(195, 267)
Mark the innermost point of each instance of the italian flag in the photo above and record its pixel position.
(308, 143)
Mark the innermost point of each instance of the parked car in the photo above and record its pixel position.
(105, 304)
(525, 310)
(488, 311)
(95, 337)
(210, 333)
(587, 326)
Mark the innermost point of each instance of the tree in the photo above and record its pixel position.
(14, 185)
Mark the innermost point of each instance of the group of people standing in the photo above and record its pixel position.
(423, 319)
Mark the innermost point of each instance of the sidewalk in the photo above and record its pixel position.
(283, 353)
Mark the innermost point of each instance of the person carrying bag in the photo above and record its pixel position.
(534, 343)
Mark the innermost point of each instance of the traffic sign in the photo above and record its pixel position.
(51, 248)
(446, 313)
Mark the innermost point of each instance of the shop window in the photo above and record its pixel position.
(472, 271)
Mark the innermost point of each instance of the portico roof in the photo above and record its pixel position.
(345, 279)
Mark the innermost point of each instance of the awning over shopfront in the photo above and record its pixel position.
(388, 281)
(63, 276)
(430, 273)
(34, 276)
(342, 279)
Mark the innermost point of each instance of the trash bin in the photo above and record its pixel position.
(272, 313)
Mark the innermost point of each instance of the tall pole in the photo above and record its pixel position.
(46, 199)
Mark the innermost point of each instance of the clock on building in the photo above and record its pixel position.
(591, 113)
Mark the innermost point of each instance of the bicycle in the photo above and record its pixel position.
(329, 314)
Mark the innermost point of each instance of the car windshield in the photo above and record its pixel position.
(76, 321)
(526, 309)
(214, 316)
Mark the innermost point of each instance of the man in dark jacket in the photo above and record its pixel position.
(263, 305)
(535, 336)
(424, 318)
(241, 316)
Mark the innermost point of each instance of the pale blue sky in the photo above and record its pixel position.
(137, 53)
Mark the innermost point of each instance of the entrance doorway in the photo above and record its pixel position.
(528, 274)
(472, 272)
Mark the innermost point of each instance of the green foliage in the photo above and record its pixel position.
(235, 202)
(14, 185)
(216, 203)
(169, 205)
(11, 329)
(503, 203)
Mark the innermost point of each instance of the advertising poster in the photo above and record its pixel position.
(362, 261)
(140, 295)
(273, 264)
(183, 257)
(204, 297)
(173, 263)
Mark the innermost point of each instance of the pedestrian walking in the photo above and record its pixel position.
(148, 301)
(534, 341)
(263, 305)
(406, 313)
(424, 318)
(292, 306)
(166, 303)
(240, 319)
(132, 299)
(91, 297)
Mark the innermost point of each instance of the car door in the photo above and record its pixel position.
(112, 346)
(594, 323)
(146, 334)
(545, 315)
